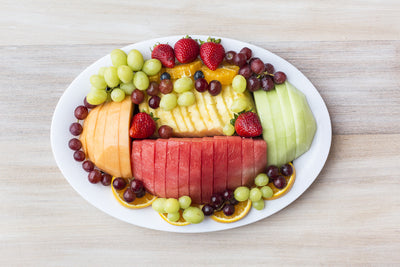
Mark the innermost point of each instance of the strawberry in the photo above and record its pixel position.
(212, 53)
(143, 126)
(186, 50)
(248, 124)
(165, 54)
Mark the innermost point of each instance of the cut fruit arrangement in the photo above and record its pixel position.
(186, 131)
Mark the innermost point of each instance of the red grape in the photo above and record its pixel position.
(81, 112)
(247, 51)
(207, 210)
(154, 102)
(246, 71)
(272, 171)
(87, 104)
(253, 84)
(136, 185)
(94, 176)
(140, 193)
(228, 194)
(119, 183)
(257, 66)
(79, 156)
(165, 132)
(88, 166)
(229, 56)
(279, 182)
(75, 144)
(239, 59)
(165, 86)
(279, 77)
(286, 170)
(153, 89)
(129, 196)
(217, 200)
(75, 129)
(269, 68)
(229, 209)
(137, 96)
(267, 84)
(106, 179)
(214, 88)
(201, 85)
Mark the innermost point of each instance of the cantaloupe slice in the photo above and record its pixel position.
(124, 140)
(90, 132)
(99, 132)
(111, 145)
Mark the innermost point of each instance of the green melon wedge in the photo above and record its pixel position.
(299, 120)
(280, 128)
(311, 125)
(288, 120)
(265, 113)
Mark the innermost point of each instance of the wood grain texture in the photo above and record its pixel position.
(348, 49)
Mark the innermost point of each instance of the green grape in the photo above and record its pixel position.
(111, 77)
(173, 217)
(141, 81)
(128, 88)
(186, 99)
(258, 205)
(98, 82)
(193, 215)
(239, 105)
(152, 66)
(242, 193)
(228, 129)
(118, 57)
(168, 102)
(117, 95)
(171, 205)
(266, 192)
(239, 83)
(255, 194)
(125, 74)
(135, 60)
(185, 202)
(159, 204)
(183, 84)
(102, 70)
(261, 179)
(96, 97)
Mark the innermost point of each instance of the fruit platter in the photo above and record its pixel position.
(191, 133)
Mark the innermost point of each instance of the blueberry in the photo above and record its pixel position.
(165, 76)
(198, 74)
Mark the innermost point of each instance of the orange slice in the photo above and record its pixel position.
(138, 203)
(223, 74)
(180, 222)
(156, 78)
(241, 210)
(289, 183)
(186, 70)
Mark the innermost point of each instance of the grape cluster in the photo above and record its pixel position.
(94, 175)
(253, 74)
(225, 202)
(134, 190)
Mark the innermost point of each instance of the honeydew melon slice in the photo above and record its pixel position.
(310, 124)
(288, 120)
(265, 113)
(279, 126)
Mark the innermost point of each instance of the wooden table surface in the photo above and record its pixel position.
(350, 50)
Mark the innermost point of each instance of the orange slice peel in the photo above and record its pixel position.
(241, 210)
(180, 222)
(138, 203)
(289, 184)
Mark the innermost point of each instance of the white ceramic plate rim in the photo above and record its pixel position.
(308, 166)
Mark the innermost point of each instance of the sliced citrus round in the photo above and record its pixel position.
(180, 222)
(224, 74)
(289, 183)
(138, 203)
(156, 77)
(184, 70)
(241, 210)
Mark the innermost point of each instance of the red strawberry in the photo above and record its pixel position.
(143, 126)
(212, 53)
(248, 124)
(186, 50)
(165, 54)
